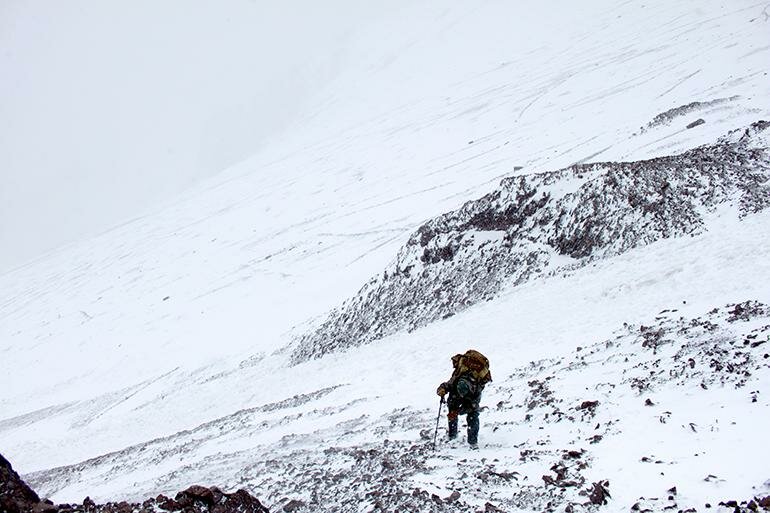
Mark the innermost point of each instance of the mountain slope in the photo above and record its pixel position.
(577, 214)
(579, 418)
(164, 353)
(328, 449)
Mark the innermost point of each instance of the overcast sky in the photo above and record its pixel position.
(107, 107)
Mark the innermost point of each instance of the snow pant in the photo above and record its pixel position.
(471, 413)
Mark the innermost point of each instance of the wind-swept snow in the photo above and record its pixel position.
(557, 342)
(157, 355)
(443, 269)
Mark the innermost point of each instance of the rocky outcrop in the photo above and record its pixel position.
(544, 222)
(17, 497)
(666, 118)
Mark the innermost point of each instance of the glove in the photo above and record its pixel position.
(441, 390)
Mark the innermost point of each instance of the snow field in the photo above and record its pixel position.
(184, 317)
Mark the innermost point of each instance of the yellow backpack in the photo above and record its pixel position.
(474, 362)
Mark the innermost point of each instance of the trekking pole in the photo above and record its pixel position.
(438, 419)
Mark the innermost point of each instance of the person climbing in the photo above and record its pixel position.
(469, 377)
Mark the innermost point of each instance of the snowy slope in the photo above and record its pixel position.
(162, 348)
(547, 222)
(308, 444)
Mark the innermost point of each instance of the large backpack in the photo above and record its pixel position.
(474, 362)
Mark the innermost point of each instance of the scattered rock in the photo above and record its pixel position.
(293, 505)
(444, 268)
(195, 494)
(599, 493)
(17, 497)
(453, 497)
(665, 118)
(588, 405)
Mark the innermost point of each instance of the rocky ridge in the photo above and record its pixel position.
(17, 497)
(545, 223)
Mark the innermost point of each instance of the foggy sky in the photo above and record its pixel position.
(107, 107)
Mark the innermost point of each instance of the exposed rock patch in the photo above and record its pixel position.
(547, 222)
(17, 497)
(665, 118)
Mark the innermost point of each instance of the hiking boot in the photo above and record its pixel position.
(474, 447)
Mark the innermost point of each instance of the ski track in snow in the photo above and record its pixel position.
(155, 355)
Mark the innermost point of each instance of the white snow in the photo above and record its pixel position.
(178, 318)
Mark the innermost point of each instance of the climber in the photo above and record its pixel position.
(470, 375)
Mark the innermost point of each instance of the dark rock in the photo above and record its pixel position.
(169, 504)
(599, 493)
(745, 311)
(244, 502)
(44, 507)
(453, 497)
(89, 505)
(124, 507)
(293, 505)
(195, 493)
(17, 497)
(697, 122)
(588, 405)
